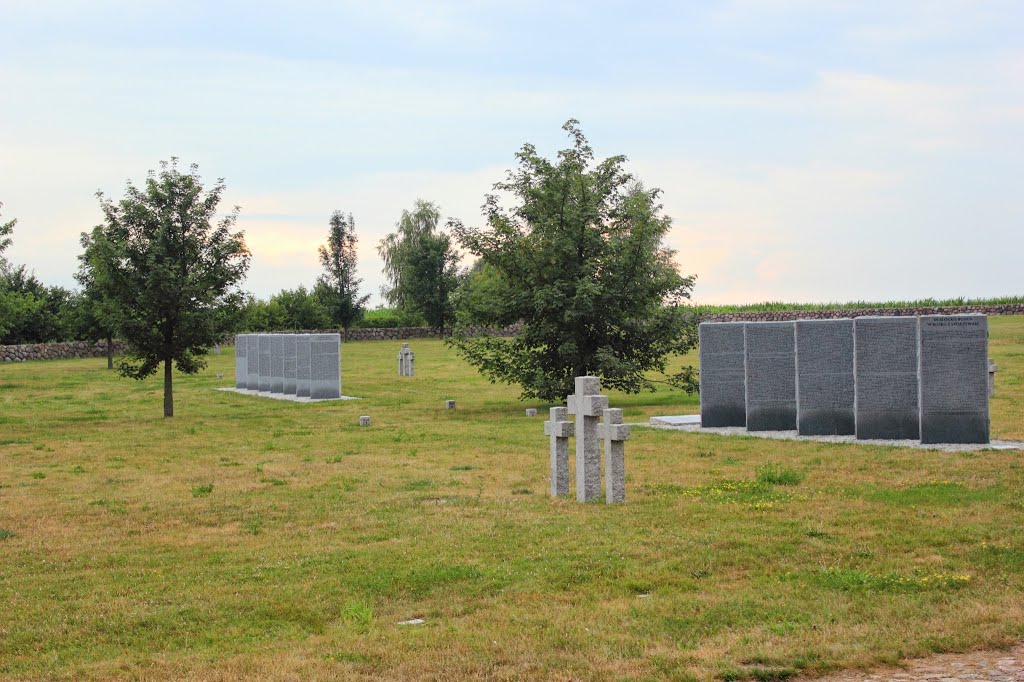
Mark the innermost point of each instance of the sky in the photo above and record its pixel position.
(807, 150)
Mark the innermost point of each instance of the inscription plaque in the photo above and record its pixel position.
(824, 378)
(324, 366)
(264, 346)
(276, 363)
(241, 362)
(770, 371)
(302, 365)
(722, 383)
(288, 362)
(953, 366)
(885, 378)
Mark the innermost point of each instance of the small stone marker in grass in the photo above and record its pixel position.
(531, 411)
(406, 361)
(364, 420)
(449, 404)
(560, 429)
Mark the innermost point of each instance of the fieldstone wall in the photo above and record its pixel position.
(86, 349)
(790, 315)
(58, 351)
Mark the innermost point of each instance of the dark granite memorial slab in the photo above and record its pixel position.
(885, 378)
(302, 365)
(824, 378)
(722, 384)
(241, 362)
(276, 363)
(770, 352)
(324, 366)
(289, 362)
(264, 346)
(953, 371)
(252, 374)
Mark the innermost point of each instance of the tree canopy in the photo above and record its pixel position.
(421, 265)
(171, 272)
(579, 261)
(338, 286)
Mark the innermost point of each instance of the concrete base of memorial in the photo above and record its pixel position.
(691, 424)
(284, 396)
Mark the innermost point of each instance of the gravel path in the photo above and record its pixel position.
(1001, 666)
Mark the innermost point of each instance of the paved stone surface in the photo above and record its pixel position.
(285, 396)
(1000, 666)
(793, 435)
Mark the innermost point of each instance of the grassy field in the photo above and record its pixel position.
(249, 538)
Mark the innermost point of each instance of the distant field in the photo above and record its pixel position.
(922, 303)
(256, 539)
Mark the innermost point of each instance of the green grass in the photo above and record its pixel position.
(854, 305)
(259, 539)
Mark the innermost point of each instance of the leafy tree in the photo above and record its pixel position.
(5, 240)
(97, 311)
(338, 287)
(7, 303)
(579, 262)
(173, 274)
(303, 309)
(421, 266)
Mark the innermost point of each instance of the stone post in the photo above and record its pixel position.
(992, 369)
(560, 429)
(587, 406)
(406, 361)
(615, 434)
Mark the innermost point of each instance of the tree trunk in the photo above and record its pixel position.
(110, 353)
(168, 391)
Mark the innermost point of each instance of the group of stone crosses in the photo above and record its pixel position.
(901, 378)
(588, 407)
(306, 366)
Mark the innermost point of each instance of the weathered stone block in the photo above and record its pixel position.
(289, 359)
(276, 363)
(302, 365)
(324, 366)
(264, 346)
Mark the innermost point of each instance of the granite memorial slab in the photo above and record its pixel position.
(953, 374)
(770, 373)
(824, 378)
(264, 346)
(252, 374)
(324, 366)
(241, 362)
(885, 378)
(302, 360)
(722, 382)
(277, 363)
(289, 360)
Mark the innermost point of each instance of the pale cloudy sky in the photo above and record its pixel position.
(809, 150)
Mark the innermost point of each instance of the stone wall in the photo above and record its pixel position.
(85, 349)
(57, 351)
(789, 315)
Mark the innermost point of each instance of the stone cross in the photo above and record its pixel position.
(406, 360)
(561, 430)
(992, 369)
(587, 406)
(615, 434)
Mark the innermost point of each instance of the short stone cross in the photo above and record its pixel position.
(615, 434)
(406, 360)
(561, 430)
(587, 406)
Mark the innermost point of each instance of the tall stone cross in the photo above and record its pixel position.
(406, 358)
(587, 405)
(560, 429)
(615, 434)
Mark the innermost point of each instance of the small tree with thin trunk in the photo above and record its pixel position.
(97, 309)
(338, 287)
(172, 273)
